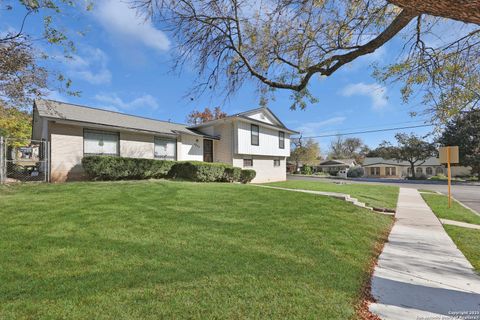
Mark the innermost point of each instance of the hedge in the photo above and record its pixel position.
(199, 171)
(117, 168)
(247, 175)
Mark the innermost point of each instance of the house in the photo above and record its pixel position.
(255, 139)
(389, 168)
(335, 165)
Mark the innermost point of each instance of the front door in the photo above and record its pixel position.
(207, 150)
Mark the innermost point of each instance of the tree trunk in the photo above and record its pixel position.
(412, 168)
(462, 10)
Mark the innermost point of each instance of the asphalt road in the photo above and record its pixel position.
(469, 195)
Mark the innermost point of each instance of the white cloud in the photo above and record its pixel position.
(311, 128)
(125, 24)
(374, 91)
(115, 103)
(90, 66)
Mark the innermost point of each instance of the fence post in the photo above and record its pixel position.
(2, 161)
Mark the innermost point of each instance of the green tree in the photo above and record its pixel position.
(304, 151)
(285, 44)
(410, 148)
(464, 131)
(15, 123)
(349, 148)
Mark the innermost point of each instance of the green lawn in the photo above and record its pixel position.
(373, 195)
(468, 241)
(439, 205)
(153, 250)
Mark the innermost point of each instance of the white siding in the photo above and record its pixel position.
(263, 166)
(268, 141)
(190, 148)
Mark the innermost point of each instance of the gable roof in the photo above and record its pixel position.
(245, 116)
(333, 162)
(432, 161)
(66, 111)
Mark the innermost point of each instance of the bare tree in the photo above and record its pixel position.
(283, 44)
(22, 76)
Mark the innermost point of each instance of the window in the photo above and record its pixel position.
(439, 170)
(254, 134)
(248, 162)
(375, 171)
(429, 171)
(391, 171)
(100, 143)
(276, 162)
(165, 148)
(281, 140)
(419, 170)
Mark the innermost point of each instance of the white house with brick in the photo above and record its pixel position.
(255, 139)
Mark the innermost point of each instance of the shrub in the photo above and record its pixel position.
(306, 170)
(199, 171)
(247, 175)
(232, 174)
(116, 168)
(439, 176)
(355, 172)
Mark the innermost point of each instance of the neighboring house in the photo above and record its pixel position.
(335, 165)
(390, 168)
(255, 139)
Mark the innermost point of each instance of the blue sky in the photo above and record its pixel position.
(123, 63)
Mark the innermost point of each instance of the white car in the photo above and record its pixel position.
(342, 174)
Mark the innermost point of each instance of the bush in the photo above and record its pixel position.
(232, 174)
(247, 175)
(355, 172)
(307, 170)
(439, 177)
(116, 168)
(200, 171)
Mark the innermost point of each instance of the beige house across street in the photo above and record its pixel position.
(390, 168)
(255, 139)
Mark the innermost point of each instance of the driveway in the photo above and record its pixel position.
(469, 195)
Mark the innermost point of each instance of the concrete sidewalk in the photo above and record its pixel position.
(421, 274)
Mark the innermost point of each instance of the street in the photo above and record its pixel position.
(469, 195)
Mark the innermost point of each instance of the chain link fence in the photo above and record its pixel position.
(23, 160)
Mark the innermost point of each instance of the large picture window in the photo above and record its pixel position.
(255, 134)
(100, 143)
(281, 140)
(165, 148)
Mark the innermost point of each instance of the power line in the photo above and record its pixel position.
(371, 127)
(370, 131)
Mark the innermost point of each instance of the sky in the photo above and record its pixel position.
(124, 63)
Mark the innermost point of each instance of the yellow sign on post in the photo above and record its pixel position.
(449, 155)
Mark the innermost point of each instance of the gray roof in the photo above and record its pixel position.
(66, 111)
(348, 162)
(377, 160)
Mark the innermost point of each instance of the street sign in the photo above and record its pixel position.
(449, 155)
(443, 152)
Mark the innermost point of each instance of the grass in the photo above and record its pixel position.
(439, 205)
(162, 250)
(373, 195)
(468, 241)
